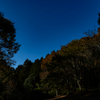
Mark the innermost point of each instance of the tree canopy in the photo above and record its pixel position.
(99, 18)
(8, 44)
(75, 67)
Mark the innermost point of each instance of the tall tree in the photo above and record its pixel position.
(8, 46)
(36, 69)
(46, 60)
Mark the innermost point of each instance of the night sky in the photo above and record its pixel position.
(44, 25)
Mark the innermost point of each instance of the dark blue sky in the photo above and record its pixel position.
(44, 25)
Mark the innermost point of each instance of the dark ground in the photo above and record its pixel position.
(90, 95)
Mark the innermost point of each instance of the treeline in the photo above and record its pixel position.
(75, 67)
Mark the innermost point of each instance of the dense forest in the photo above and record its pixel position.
(73, 68)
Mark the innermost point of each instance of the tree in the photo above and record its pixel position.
(7, 81)
(99, 18)
(36, 69)
(8, 46)
(23, 71)
(48, 58)
(91, 75)
(27, 66)
(58, 77)
(20, 73)
(74, 60)
(30, 83)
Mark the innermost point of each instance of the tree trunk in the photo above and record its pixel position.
(57, 93)
(79, 85)
(68, 84)
(78, 82)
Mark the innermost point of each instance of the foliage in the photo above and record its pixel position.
(8, 46)
(75, 67)
(29, 83)
(36, 69)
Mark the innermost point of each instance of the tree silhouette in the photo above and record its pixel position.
(99, 18)
(8, 46)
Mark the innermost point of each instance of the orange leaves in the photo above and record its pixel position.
(47, 59)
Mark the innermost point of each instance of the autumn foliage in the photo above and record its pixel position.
(73, 68)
